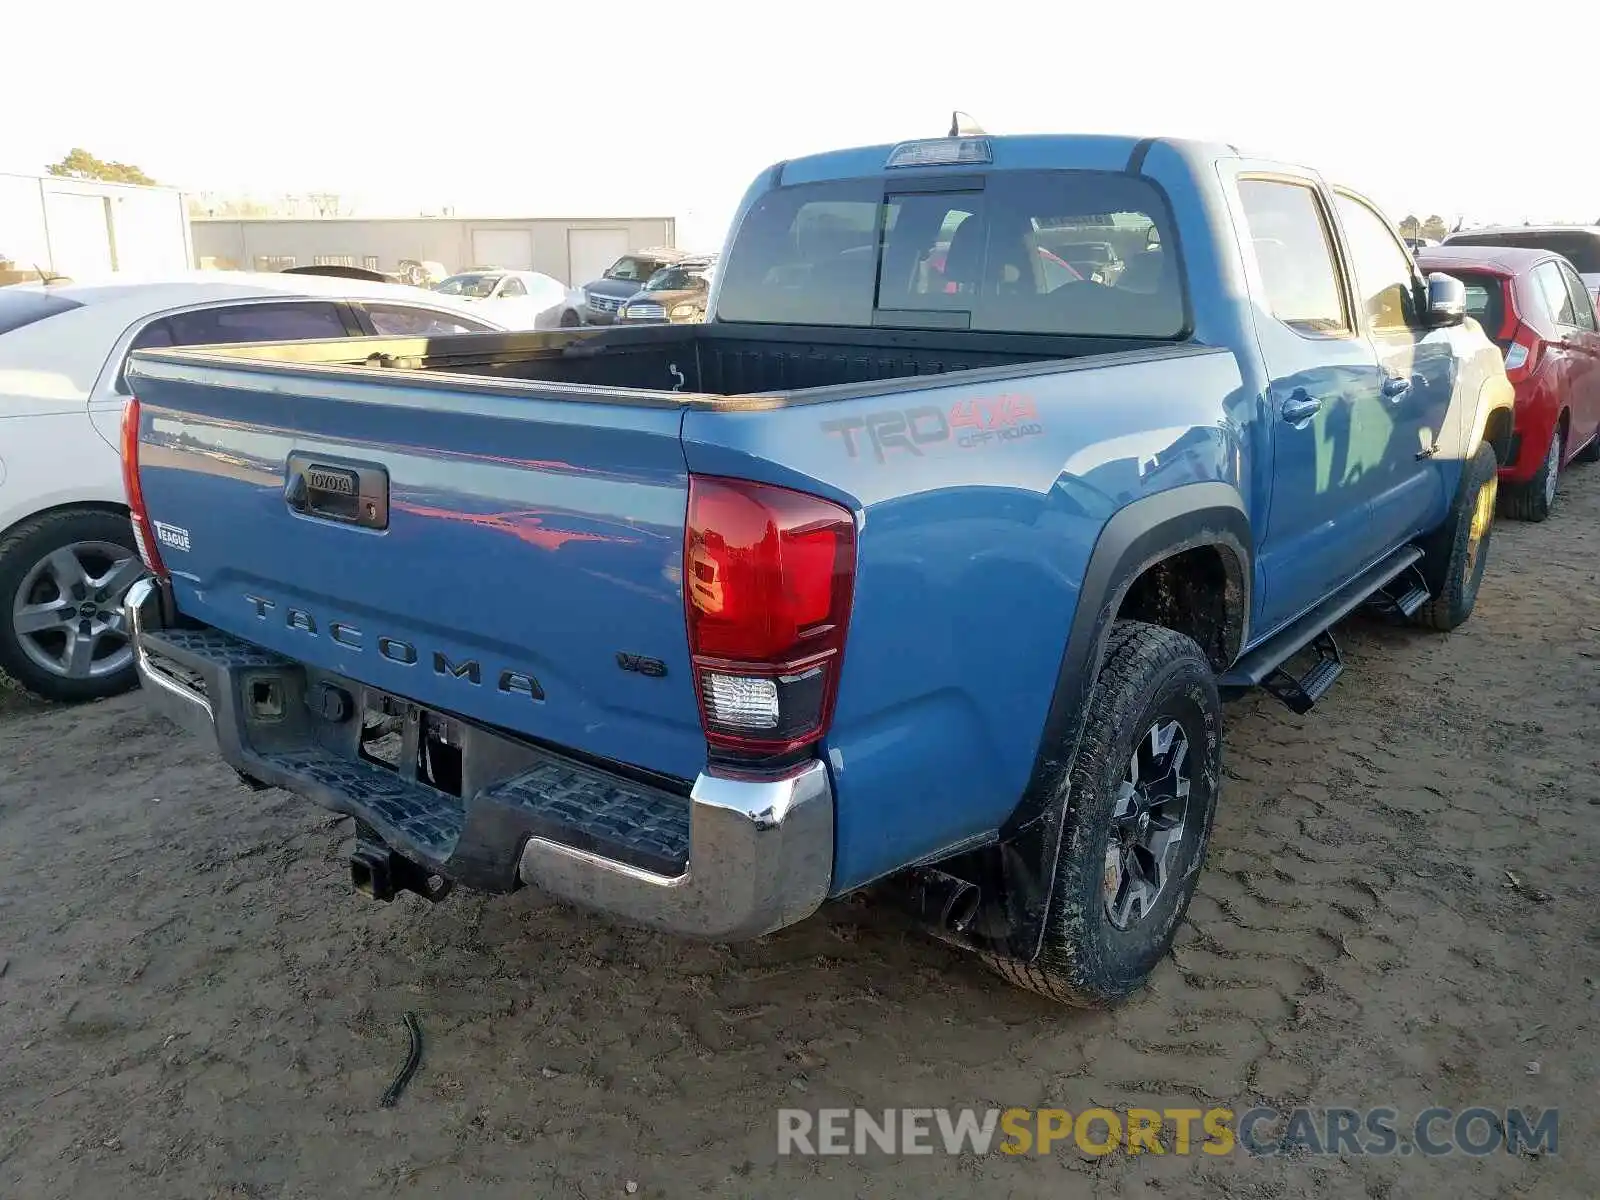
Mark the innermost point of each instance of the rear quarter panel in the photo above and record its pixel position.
(978, 505)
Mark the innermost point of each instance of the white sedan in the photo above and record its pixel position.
(66, 547)
(517, 299)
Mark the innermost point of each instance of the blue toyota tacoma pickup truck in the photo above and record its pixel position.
(925, 562)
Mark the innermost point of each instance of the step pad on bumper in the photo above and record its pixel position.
(221, 649)
(426, 820)
(599, 813)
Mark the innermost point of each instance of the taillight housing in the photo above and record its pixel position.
(768, 576)
(1522, 354)
(143, 533)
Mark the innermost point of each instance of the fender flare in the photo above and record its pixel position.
(1019, 872)
(1495, 395)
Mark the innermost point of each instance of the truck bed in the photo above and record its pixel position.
(684, 363)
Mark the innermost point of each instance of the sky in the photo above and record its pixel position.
(618, 108)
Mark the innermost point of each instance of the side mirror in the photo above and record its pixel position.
(1447, 300)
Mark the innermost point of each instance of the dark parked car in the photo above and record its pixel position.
(1578, 244)
(676, 294)
(602, 297)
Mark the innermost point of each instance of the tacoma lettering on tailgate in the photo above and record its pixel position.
(397, 650)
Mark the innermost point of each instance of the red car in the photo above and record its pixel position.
(1536, 308)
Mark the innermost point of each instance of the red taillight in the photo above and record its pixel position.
(143, 534)
(768, 574)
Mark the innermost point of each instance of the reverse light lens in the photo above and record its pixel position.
(768, 576)
(738, 703)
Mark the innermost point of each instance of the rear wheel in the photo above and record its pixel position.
(1532, 501)
(63, 577)
(1143, 792)
(1457, 553)
(569, 320)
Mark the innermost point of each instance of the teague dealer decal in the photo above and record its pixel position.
(989, 421)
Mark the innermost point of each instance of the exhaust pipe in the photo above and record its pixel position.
(941, 900)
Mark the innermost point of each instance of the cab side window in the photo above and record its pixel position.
(512, 287)
(1385, 279)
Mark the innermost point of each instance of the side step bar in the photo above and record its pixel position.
(1402, 595)
(1263, 666)
(1300, 694)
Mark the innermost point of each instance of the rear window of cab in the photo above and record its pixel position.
(1051, 252)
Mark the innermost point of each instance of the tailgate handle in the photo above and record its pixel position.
(352, 493)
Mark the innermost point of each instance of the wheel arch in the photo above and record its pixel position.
(1138, 538)
(50, 510)
(1497, 420)
(1206, 518)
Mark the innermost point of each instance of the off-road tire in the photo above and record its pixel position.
(1453, 572)
(20, 549)
(1532, 501)
(1149, 673)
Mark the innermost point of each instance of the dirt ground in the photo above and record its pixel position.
(1400, 909)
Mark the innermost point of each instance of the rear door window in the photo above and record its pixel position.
(1578, 295)
(252, 323)
(1552, 288)
(992, 253)
(274, 322)
(1293, 246)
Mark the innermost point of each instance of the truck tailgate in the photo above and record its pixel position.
(513, 559)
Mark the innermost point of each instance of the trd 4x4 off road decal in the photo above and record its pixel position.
(969, 423)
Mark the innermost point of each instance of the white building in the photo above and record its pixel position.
(573, 250)
(86, 228)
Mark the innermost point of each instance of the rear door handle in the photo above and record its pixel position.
(1301, 408)
(1396, 386)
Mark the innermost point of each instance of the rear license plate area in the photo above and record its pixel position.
(412, 741)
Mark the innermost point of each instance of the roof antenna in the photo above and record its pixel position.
(962, 125)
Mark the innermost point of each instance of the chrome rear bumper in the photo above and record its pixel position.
(739, 857)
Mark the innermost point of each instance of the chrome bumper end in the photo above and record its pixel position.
(180, 702)
(760, 858)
